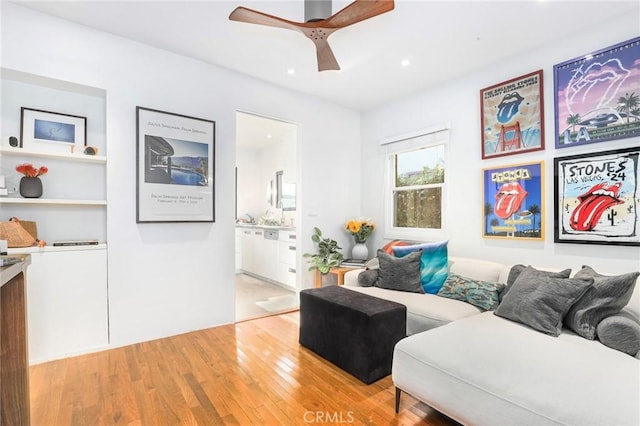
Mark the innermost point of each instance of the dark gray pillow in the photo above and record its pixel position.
(607, 297)
(368, 278)
(516, 270)
(541, 301)
(620, 332)
(400, 273)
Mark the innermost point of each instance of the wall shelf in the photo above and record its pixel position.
(71, 157)
(53, 201)
(49, 249)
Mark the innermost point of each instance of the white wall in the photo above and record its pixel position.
(166, 279)
(458, 103)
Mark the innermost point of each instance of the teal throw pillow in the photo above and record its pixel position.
(434, 264)
(482, 294)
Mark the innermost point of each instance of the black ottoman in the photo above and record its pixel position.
(355, 331)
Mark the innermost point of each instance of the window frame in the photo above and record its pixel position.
(435, 136)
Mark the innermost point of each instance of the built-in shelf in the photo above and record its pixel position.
(45, 249)
(62, 156)
(53, 201)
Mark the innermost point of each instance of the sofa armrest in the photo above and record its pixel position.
(351, 277)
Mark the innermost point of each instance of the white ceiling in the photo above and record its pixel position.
(442, 39)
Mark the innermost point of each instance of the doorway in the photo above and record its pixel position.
(266, 216)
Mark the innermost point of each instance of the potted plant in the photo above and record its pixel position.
(30, 183)
(328, 254)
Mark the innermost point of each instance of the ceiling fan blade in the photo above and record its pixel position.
(326, 60)
(358, 11)
(243, 14)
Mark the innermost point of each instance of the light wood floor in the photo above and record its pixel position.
(249, 373)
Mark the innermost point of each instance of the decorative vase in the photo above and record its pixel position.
(360, 251)
(31, 187)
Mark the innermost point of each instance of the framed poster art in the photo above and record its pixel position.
(175, 167)
(512, 116)
(596, 198)
(597, 96)
(52, 132)
(514, 202)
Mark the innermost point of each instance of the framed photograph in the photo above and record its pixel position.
(512, 116)
(596, 198)
(597, 96)
(52, 132)
(175, 167)
(514, 202)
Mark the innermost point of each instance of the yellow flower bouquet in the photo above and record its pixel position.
(360, 229)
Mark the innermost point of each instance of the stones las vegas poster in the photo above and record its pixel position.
(597, 197)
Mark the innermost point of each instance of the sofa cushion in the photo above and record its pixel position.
(477, 269)
(516, 270)
(434, 263)
(483, 294)
(485, 370)
(541, 301)
(607, 296)
(400, 273)
(621, 332)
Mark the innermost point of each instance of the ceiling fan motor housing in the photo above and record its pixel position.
(316, 10)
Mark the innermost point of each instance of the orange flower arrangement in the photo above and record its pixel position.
(29, 171)
(360, 229)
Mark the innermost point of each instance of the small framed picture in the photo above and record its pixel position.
(597, 96)
(52, 132)
(514, 202)
(175, 162)
(512, 116)
(596, 198)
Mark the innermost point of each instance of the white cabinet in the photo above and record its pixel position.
(247, 256)
(269, 258)
(67, 302)
(287, 250)
(238, 252)
(262, 253)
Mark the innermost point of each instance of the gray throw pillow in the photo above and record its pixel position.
(400, 273)
(368, 278)
(620, 332)
(541, 301)
(516, 270)
(482, 294)
(607, 297)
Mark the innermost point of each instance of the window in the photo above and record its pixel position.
(416, 185)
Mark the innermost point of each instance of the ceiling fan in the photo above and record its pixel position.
(319, 29)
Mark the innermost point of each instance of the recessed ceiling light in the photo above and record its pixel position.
(291, 71)
(405, 63)
(269, 136)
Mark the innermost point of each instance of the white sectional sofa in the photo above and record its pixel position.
(481, 369)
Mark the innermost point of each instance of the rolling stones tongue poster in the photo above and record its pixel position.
(512, 116)
(597, 198)
(597, 96)
(514, 202)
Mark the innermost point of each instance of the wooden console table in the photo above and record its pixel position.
(14, 359)
(339, 271)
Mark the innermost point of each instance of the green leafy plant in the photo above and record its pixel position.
(328, 254)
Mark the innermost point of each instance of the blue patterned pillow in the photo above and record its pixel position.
(434, 264)
(483, 294)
